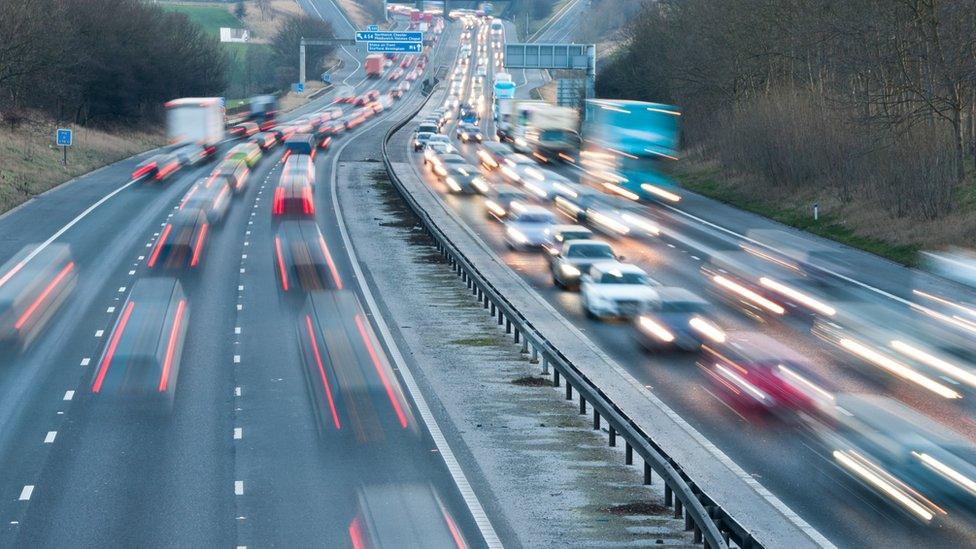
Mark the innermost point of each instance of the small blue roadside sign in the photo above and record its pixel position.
(389, 36)
(394, 47)
(373, 28)
(298, 87)
(64, 137)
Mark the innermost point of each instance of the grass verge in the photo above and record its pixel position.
(708, 181)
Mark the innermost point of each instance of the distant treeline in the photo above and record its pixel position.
(871, 100)
(102, 61)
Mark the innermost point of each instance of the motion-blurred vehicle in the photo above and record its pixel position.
(527, 226)
(678, 319)
(301, 143)
(463, 179)
(756, 372)
(468, 132)
(403, 515)
(34, 284)
(157, 167)
(420, 140)
(575, 257)
(244, 129)
(617, 290)
(181, 242)
(248, 152)
(302, 259)
(354, 390)
(907, 459)
(492, 154)
(212, 196)
(141, 361)
(500, 199)
(234, 172)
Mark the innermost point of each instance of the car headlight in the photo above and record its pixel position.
(569, 270)
(517, 235)
(453, 184)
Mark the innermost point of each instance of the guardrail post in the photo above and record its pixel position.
(628, 453)
(647, 473)
(596, 420)
(613, 437)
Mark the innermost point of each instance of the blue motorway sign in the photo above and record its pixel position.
(64, 137)
(389, 36)
(394, 47)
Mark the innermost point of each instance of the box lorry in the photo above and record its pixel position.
(374, 65)
(195, 120)
(630, 144)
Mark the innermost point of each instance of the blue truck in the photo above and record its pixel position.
(629, 145)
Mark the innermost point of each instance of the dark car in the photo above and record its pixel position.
(141, 361)
(302, 258)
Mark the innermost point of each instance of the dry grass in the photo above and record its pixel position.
(30, 163)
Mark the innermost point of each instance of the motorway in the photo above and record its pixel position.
(246, 456)
(783, 459)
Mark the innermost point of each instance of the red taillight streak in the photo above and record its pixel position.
(356, 534)
(307, 205)
(325, 381)
(112, 344)
(199, 246)
(159, 245)
(281, 264)
(171, 346)
(379, 370)
(328, 259)
(40, 299)
(278, 207)
(458, 540)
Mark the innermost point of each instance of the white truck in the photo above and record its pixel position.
(197, 120)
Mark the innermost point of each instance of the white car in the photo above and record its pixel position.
(528, 226)
(617, 290)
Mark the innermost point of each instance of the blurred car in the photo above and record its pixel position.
(614, 289)
(575, 259)
(293, 197)
(192, 154)
(212, 196)
(492, 154)
(248, 152)
(234, 172)
(34, 284)
(527, 226)
(435, 149)
(906, 458)
(679, 319)
(408, 514)
(302, 259)
(468, 132)
(356, 395)
(157, 167)
(500, 199)
(244, 129)
(142, 358)
(420, 140)
(463, 179)
(265, 140)
(181, 242)
(759, 373)
(440, 163)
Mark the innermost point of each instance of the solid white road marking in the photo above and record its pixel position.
(26, 493)
(49, 438)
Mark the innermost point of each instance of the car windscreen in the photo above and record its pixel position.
(590, 251)
(623, 278)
